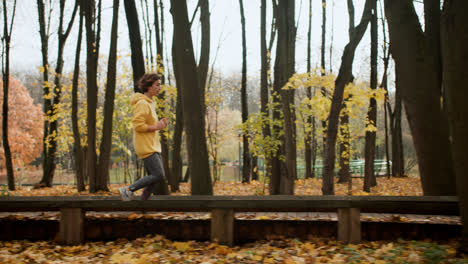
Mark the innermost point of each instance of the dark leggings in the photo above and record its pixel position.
(155, 181)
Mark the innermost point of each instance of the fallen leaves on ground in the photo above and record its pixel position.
(157, 249)
(407, 186)
(309, 216)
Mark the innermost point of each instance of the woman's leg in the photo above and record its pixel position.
(154, 168)
(159, 187)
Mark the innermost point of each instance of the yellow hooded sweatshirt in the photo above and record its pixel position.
(144, 114)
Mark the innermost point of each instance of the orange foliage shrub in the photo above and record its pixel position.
(25, 125)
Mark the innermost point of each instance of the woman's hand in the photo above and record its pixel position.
(160, 125)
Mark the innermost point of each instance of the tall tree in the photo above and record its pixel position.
(93, 31)
(392, 118)
(344, 77)
(398, 164)
(137, 58)
(322, 62)
(284, 172)
(420, 91)
(192, 90)
(454, 58)
(44, 29)
(384, 85)
(344, 172)
(310, 141)
(160, 68)
(78, 150)
(6, 40)
(265, 67)
(244, 105)
(106, 142)
(50, 151)
(369, 149)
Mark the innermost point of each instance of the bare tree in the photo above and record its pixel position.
(106, 142)
(191, 87)
(44, 29)
(369, 149)
(78, 150)
(245, 110)
(454, 54)
(344, 77)
(265, 67)
(137, 58)
(420, 90)
(322, 62)
(6, 40)
(93, 31)
(51, 149)
(158, 25)
(284, 172)
(310, 140)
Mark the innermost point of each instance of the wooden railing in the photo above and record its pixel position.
(222, 209)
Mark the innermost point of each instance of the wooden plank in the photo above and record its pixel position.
(71, 226)
(222, 226)
(445, 205)
(349, 225)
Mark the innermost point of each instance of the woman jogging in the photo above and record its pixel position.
(146, 126)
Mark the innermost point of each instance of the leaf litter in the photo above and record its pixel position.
(157, 249)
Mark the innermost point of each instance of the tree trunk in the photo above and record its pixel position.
(344, 77)
(264, 76)
(138, 61)
(44, 33)
(308, 137)
(78, 150)
(369, 172)
(6, 38)
(322, 65)
(190, 86)
(245, 111)
(384, 84)
(344, 173)
(398, 164)
(106, 142)
(49, 169)
(432, 34)
(92, 91)
(162, 95)
(176, 174)
(204, 61)
(285, 171)
(454, 57)
(420, 93)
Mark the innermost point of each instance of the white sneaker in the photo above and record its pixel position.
(125, 194)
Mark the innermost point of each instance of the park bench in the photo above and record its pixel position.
(222, 209)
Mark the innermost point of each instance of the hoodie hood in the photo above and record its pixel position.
(137, 97)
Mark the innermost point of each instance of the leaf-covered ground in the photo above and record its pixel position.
(408, 186)
(157, 249)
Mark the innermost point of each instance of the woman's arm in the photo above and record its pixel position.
(160, 125)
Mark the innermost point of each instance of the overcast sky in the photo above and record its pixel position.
(225, 27)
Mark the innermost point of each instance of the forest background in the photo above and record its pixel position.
(224, 101)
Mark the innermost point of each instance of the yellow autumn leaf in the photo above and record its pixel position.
(182, 246)
(132, 216)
